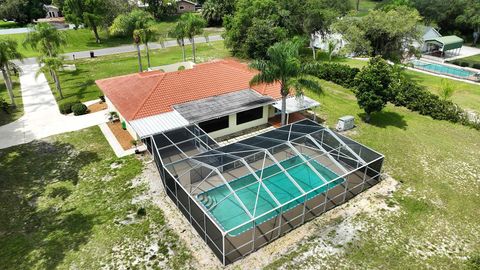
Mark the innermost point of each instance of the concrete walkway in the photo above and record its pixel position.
(42, 117)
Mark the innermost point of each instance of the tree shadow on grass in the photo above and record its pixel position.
(37, 230)
(384, 119)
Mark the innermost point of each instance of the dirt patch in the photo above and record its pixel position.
(123, 137)
(100, 106)
(334, 229)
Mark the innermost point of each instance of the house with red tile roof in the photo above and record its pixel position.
(217, 96)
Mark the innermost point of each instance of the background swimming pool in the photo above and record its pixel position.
(230, 214)
(439, 68)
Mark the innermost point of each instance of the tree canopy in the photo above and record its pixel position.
(22, 11)
(213, 11)
(389, 33)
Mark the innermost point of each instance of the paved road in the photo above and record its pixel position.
(42, 117)
(132, 48)
(123, 49)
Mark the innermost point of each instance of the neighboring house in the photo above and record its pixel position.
(52, 11)
(216, 96)
(185, 6)
(182, 5)
(321, 41)
(428, 33)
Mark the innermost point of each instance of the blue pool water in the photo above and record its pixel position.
(230, 214)
(439, 68)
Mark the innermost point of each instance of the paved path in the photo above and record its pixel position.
(42, 117)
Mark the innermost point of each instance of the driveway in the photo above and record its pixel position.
(42, 117)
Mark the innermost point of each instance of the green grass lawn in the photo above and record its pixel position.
(16, 113)
(6, 25)
(466, 95)
(67, 204)
(76, 40)
(80, 85)
(84, 40)
(471, 60)
(437, 162)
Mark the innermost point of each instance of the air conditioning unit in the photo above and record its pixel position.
(345, 123)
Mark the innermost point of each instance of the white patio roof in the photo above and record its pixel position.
(294, 105)
(158, 123)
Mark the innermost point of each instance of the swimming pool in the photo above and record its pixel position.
(229, 212)
(443, 69)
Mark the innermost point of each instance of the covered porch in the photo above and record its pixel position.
(444, 46)
(295, 109)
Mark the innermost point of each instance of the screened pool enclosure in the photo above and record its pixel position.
(242, 196)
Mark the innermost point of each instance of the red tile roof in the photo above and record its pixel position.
(146, 94)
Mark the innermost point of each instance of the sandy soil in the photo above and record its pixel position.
(332, 230)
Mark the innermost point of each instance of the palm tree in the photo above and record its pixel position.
(53, 65)
(332, 46)
(8, 52)
(446, 89)
(147, 35)
(137, 41)
(45, 38)
(193, 26)
(283, 66)
(179, 33)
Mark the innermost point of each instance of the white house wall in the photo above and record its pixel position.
(233, 127)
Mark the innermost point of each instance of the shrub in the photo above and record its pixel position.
(102, 98)
(464, 64)
(4, 106)
(181, 68)
(340, 74)
(79, 109)
(476, 66)
(66, 108)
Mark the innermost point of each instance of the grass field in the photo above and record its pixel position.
(18, 112)
(437, 223)
(80, 85)
(69, 203)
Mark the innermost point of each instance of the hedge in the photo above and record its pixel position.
(403, 92)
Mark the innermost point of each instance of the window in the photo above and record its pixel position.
(215, 124)
(250, 115)
(182, 7)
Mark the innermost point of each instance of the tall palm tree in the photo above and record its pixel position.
(194, 25)
(53, 65)
(45, 38)
(8, 52)
(283, 66)
(179, 33)
(146, 35)
(137, 40)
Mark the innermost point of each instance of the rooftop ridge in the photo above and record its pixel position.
(148, 96)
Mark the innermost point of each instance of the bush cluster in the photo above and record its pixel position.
(76, 107)
(66, 108)
(401, 92)
(79, 109)
(340, 74)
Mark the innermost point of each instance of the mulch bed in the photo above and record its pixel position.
(123, 137)
(100, 106)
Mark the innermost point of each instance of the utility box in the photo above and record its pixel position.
(345, 123)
